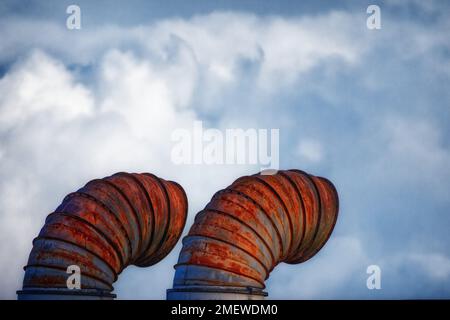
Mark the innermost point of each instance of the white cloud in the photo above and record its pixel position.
(23, 93)
(58, 133)
(415, 154)
(416, 274)
(337, 265)
(60, 128)
(310, 150)
(435, 265)
(218, 41)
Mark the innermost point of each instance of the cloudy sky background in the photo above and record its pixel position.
(368, 109)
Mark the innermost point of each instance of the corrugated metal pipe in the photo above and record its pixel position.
(250, 227)
(109, 224)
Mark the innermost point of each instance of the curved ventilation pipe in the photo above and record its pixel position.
(109, 224)
(250, 227)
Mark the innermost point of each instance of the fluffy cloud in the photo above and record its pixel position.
(24, 93)
(310, 150)
(339, 266)
(434, 265)
(81, 105)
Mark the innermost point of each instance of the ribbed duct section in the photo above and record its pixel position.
(250, 227)
(107, 225)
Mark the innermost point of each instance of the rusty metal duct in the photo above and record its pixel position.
(110, 223)
(250, 227)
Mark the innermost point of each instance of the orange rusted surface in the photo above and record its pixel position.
(105, 226)
(254, 224)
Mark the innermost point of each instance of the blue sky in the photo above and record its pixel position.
(368, 109)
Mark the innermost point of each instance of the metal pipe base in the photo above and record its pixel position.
(215, 293)
(63, 294)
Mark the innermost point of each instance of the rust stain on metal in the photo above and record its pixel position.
(254, 224)
(105, 226)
